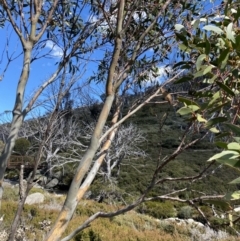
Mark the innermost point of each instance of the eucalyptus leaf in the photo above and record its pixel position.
(184, 79)
(198, 74)
(237, 139)
(230, 34)
(234, 128)
(221, 144)
(187, 101)
(235, 181)
(199, 61)
(213, 28)
(215, 121)
(233, 196)
(179, 27)
(194, 107)
(233, 162)
(208, 47)
(207, 69)
(184, 111)
(233, 146)
(200, 118)
(225, 88)
(223, 58)
(214, 130)
(225, 155)
(215, 97)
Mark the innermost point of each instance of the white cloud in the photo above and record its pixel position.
(162, 74)
(55, 50)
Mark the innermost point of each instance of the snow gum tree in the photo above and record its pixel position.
(135, 38)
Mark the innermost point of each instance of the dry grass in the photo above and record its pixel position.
(132, 226)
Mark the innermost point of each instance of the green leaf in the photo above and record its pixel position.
(194, 107)
(184, 48)
(230, 33)
(219, 106)
(200, 60)
(225, 88)
(195, 23)
(178, 27)
(237, 139)
(198, 74)
(200, 118)
(215, 97)
(181, 37)
(214, 130)
(187, 101)
(233, 162)
(221, 144)
(225, 155)
(208, 47)
(182, 63)
(235, 129)
(235, 181)
(215, 121)
(223, 58)
(213, 28)
(208, 69)
(233, 196)
(211, 81)
(238, 41)
(184, 111)
(223, 134)
(184, 79)
(233, 146)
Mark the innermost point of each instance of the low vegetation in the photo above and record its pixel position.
(37, 220)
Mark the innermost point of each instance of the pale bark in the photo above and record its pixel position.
(17, 115)
(27, 45)
(75, 194)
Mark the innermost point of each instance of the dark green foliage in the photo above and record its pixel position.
(169, 228)
(170, 143)
(89, 236)
(22, 145)
(158, 210)
(185, 212)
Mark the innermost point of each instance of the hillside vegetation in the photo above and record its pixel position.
(135, 175)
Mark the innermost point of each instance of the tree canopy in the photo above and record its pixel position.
(128, 43)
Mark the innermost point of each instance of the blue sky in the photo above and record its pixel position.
(40, 70)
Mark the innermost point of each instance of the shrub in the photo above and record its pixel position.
(185, 212)
(170, 143)
(21, 146)
(158, 209)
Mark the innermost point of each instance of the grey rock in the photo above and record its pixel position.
(52, 183)
(57, 175)
(35, 198)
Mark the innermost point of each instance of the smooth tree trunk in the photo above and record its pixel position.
(18, 115)
(75, 194)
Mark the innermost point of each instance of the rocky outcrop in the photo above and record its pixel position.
(35, 198)
(53, 183)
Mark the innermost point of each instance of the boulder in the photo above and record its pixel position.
(57, 175)
(52, 183)
(35, 198)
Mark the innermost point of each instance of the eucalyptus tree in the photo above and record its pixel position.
(135, 37)
(38, 24)
(210, 50)
(140, 37)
